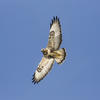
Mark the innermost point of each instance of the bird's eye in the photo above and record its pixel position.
(45, 53)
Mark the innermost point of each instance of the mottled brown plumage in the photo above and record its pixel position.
(52, 52)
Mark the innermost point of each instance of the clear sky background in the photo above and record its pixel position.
(24, 30)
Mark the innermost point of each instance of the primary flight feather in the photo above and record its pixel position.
(51, 52)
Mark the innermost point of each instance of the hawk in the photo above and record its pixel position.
(52, 52)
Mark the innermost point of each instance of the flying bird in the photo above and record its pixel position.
(52, 52)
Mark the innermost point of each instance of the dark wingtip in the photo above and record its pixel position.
(33, 79)
(55, 19)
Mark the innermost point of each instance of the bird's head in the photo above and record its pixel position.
(44, 51)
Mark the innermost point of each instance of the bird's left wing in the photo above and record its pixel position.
(55, 36)
(43, 68)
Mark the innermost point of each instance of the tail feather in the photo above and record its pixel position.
(61, 54)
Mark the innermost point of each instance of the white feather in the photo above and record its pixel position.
(47, 63)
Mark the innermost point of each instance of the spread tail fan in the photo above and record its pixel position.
(60, 55)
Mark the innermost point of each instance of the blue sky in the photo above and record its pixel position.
(24, 30)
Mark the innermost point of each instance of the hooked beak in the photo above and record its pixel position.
(42, 50)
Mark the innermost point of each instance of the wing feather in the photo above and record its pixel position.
(43, 68)
(55, 36)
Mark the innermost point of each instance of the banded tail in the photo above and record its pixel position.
(60, 55)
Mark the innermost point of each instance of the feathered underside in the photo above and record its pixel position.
(42, 70)
(54, 42)
(55, 35)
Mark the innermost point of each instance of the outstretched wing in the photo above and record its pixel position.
(43, 68)
(55, 36)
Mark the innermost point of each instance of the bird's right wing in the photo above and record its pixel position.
(42, 70)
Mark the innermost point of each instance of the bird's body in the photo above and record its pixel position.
(56, 54)
(51, 53)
